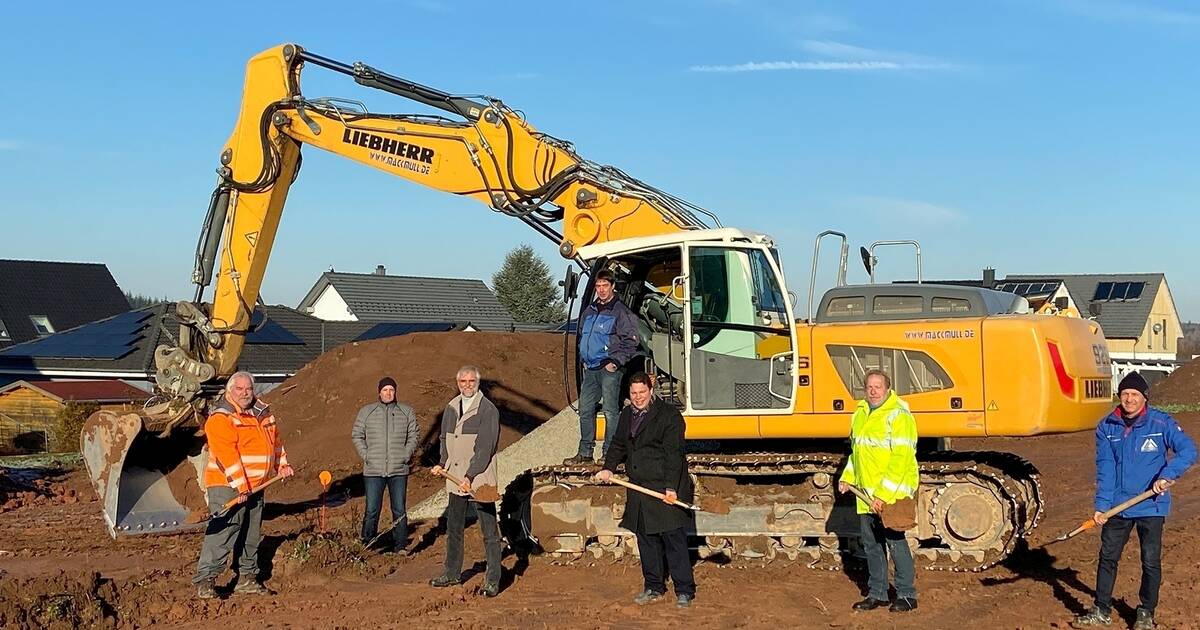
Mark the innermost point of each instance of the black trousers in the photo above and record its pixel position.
(456, 519)
(1113, 537)
(669, 549)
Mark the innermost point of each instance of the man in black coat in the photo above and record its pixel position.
(649, 441)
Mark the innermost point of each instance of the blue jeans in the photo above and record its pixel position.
(873, 532)
(598, 386)
(397, 486)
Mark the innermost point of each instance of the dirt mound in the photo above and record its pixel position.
(21, 487)
(522, 375)
(1182, 387)
(57, 601)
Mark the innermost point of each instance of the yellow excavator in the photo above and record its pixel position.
(766, 395)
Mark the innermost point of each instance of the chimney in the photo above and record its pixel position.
(989, 278)
(380, 270)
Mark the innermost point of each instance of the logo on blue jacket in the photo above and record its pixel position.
(1149, 446)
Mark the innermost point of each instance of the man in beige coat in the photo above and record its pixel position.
(470, 436)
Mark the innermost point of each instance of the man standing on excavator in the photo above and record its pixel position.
(244, 452)
(607, 340)
(1131, 457)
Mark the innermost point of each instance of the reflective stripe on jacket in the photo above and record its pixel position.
(244, 448)
(883, 451)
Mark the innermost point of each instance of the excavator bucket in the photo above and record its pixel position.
(148, 482)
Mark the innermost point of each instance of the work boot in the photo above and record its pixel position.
(444, 581)
(1093, 617)
(870, 603)
(903, 604)
(206, 590)
(579, 460)
(647, 596)
(1145, 619)
(684, 601)
(491, 590)
(249, 586)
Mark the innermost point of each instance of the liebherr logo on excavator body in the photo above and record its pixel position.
(390, 151)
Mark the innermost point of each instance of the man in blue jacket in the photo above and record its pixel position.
(1131, 457)
(608, 339)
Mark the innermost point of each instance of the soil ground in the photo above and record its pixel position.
(60, 569)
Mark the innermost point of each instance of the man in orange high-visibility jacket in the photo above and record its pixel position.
(244, 451)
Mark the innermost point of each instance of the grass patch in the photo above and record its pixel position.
(1180, 408)
(58, 461)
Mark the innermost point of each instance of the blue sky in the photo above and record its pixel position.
(1055, 136)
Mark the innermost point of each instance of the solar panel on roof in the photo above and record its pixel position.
(112, 338)
(1103, 291)
(264, 330)
(1118, 291)
(395, 329)
(1135, 291)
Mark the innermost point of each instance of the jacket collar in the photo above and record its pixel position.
(258, 408)
(892, 401)
(1118, 418)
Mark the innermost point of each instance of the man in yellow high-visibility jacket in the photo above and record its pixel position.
(883, 463)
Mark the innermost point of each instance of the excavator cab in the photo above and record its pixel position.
(715, 322)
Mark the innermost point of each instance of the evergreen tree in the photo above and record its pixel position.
(524, 286)
(137, 300)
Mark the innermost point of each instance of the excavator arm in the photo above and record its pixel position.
(474, 147)
(486, 151)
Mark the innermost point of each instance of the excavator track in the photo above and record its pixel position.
(973, 508)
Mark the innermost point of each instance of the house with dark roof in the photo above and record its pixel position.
(281, 340)
(376, 297)
(1135, 310)
(39, 298)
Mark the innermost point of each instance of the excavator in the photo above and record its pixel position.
(766, 393)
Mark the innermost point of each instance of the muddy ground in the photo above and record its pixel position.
(60, 569)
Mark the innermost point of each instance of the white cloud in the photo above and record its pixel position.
(826, 66)
(842, 51)
(1128, 12)
(907, 210)
(9, 145)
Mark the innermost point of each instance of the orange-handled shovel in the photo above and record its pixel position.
(230, 504)
(1091, 522)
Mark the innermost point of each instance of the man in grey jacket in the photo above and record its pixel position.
(470, 437)
(385, 435)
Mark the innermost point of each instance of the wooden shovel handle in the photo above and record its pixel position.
(860, 493)
(1111, 512)
(229, 505)
(648, 491)
(448, 475)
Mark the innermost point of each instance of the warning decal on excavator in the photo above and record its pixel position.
(993, 407)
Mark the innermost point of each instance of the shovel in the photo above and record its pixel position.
(232, 503)
(711, 505)
(897, 516)
(485, 494)
(1091, 522)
